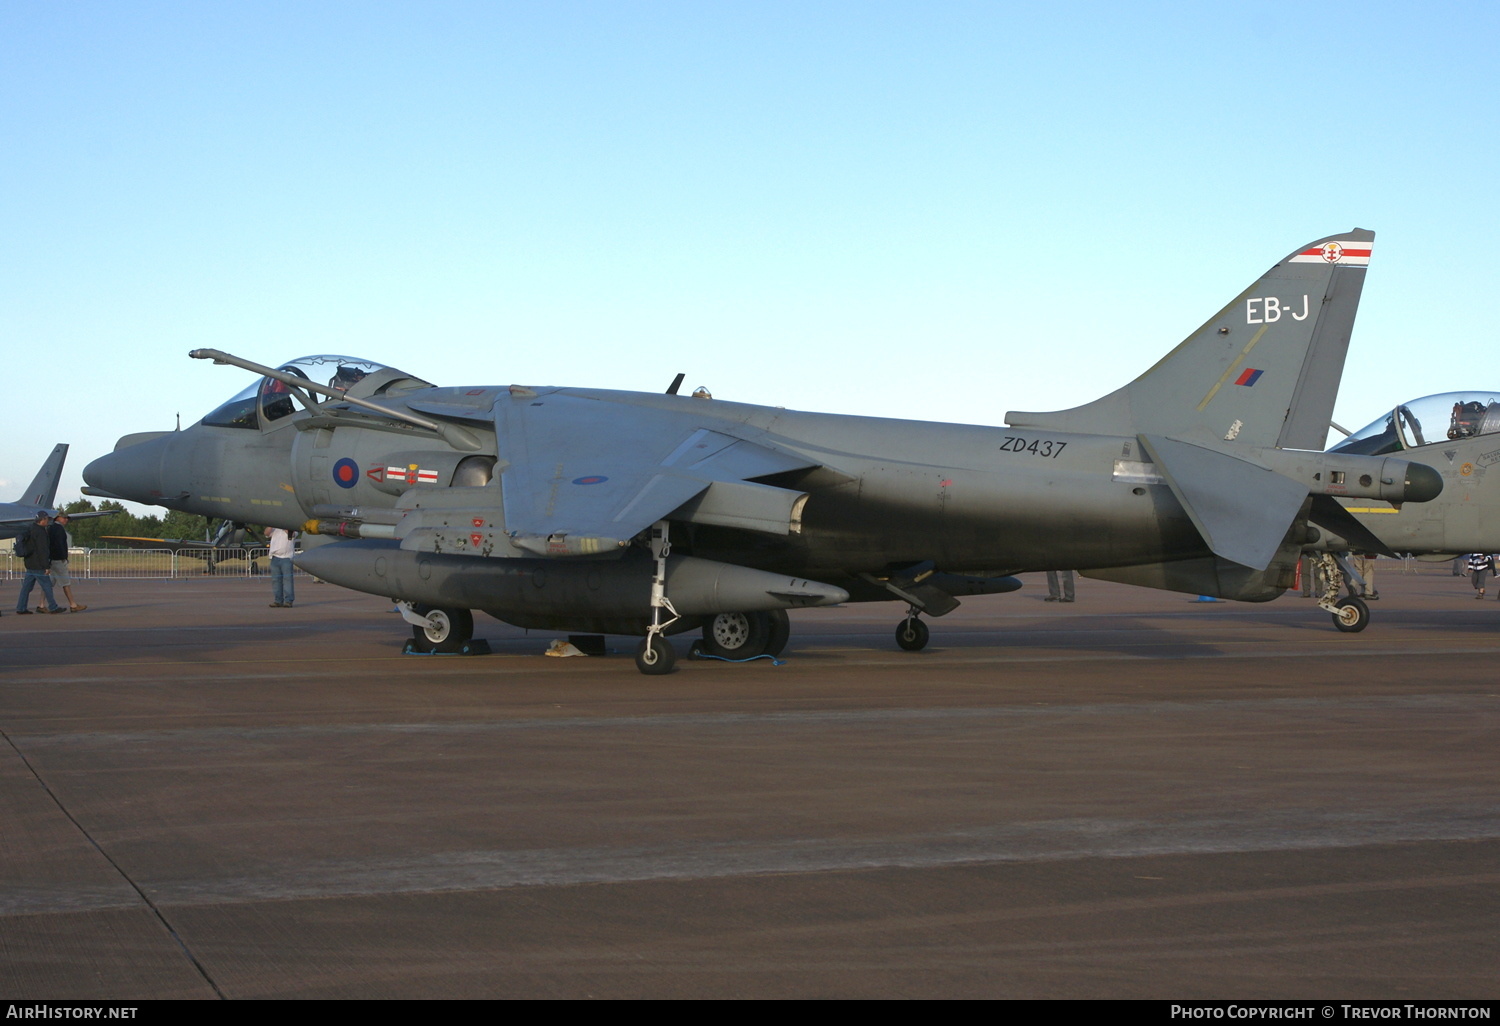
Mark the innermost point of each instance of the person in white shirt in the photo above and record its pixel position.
(281, 549)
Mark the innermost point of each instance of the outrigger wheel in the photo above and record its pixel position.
(912, 634)
(449, 629)
(1353, 615)
(655, 655)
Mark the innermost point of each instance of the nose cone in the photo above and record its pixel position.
(1423, 484)
(132, 471)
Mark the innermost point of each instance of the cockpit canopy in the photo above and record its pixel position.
(1433, 418)
(268, 400)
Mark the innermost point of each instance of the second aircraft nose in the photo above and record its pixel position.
(1423, 484)
(133, 470)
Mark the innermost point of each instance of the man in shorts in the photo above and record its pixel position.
(1480, 565)
(60, 544)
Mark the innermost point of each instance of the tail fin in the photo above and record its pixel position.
(1263, 371)
(43, 487)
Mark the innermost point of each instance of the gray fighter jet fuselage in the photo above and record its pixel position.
(627, 512)
(1457, 434)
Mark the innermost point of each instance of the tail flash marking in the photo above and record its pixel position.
(1233, 367)
(1346, 252)
(1249, 378)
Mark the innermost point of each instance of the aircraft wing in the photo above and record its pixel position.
(588, 474)
(187, 546)
(16, 521)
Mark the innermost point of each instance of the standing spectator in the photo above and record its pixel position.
(1480, 565)
(281, 567)
(61, 544)
(1056, 594)
(36, 548)
(1365, 565)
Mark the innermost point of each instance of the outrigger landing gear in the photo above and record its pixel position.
(1350, 614)
(655, 655)
(912, 633)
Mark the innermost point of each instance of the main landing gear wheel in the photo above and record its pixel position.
(912, 634)
(737, 635)
(655, 655)
(449, 630)
(1353, 615)
(780, 632)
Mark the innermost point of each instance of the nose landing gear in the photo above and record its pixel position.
(1350, 614)
(437, 630)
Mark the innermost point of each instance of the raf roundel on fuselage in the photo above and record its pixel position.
(268, 400)
(1445, 417)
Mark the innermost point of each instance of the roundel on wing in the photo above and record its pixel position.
(346, 473)
(590, 479)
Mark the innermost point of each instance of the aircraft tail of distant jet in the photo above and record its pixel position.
(43, 487)
(1263, 371)
(16, 516)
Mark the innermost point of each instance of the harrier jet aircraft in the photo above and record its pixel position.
(651, 514)
(1457, 434)
(16, 516)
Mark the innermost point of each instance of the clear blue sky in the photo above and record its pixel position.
(936, 210)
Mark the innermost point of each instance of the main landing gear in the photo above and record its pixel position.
(913, 586)
(1350, 614)
(737, 636)
(912, 634)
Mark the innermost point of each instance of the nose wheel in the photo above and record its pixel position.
(1352, 615)
(440, 630)
(912, 634)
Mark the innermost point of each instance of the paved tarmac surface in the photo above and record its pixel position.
(1132, 796)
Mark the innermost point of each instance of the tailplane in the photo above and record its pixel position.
(43, 487)
(1263, 371)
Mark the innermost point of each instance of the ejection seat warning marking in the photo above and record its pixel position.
(1233, 367)
(1036, 446)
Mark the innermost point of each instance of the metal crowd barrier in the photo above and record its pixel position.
(165, 564)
